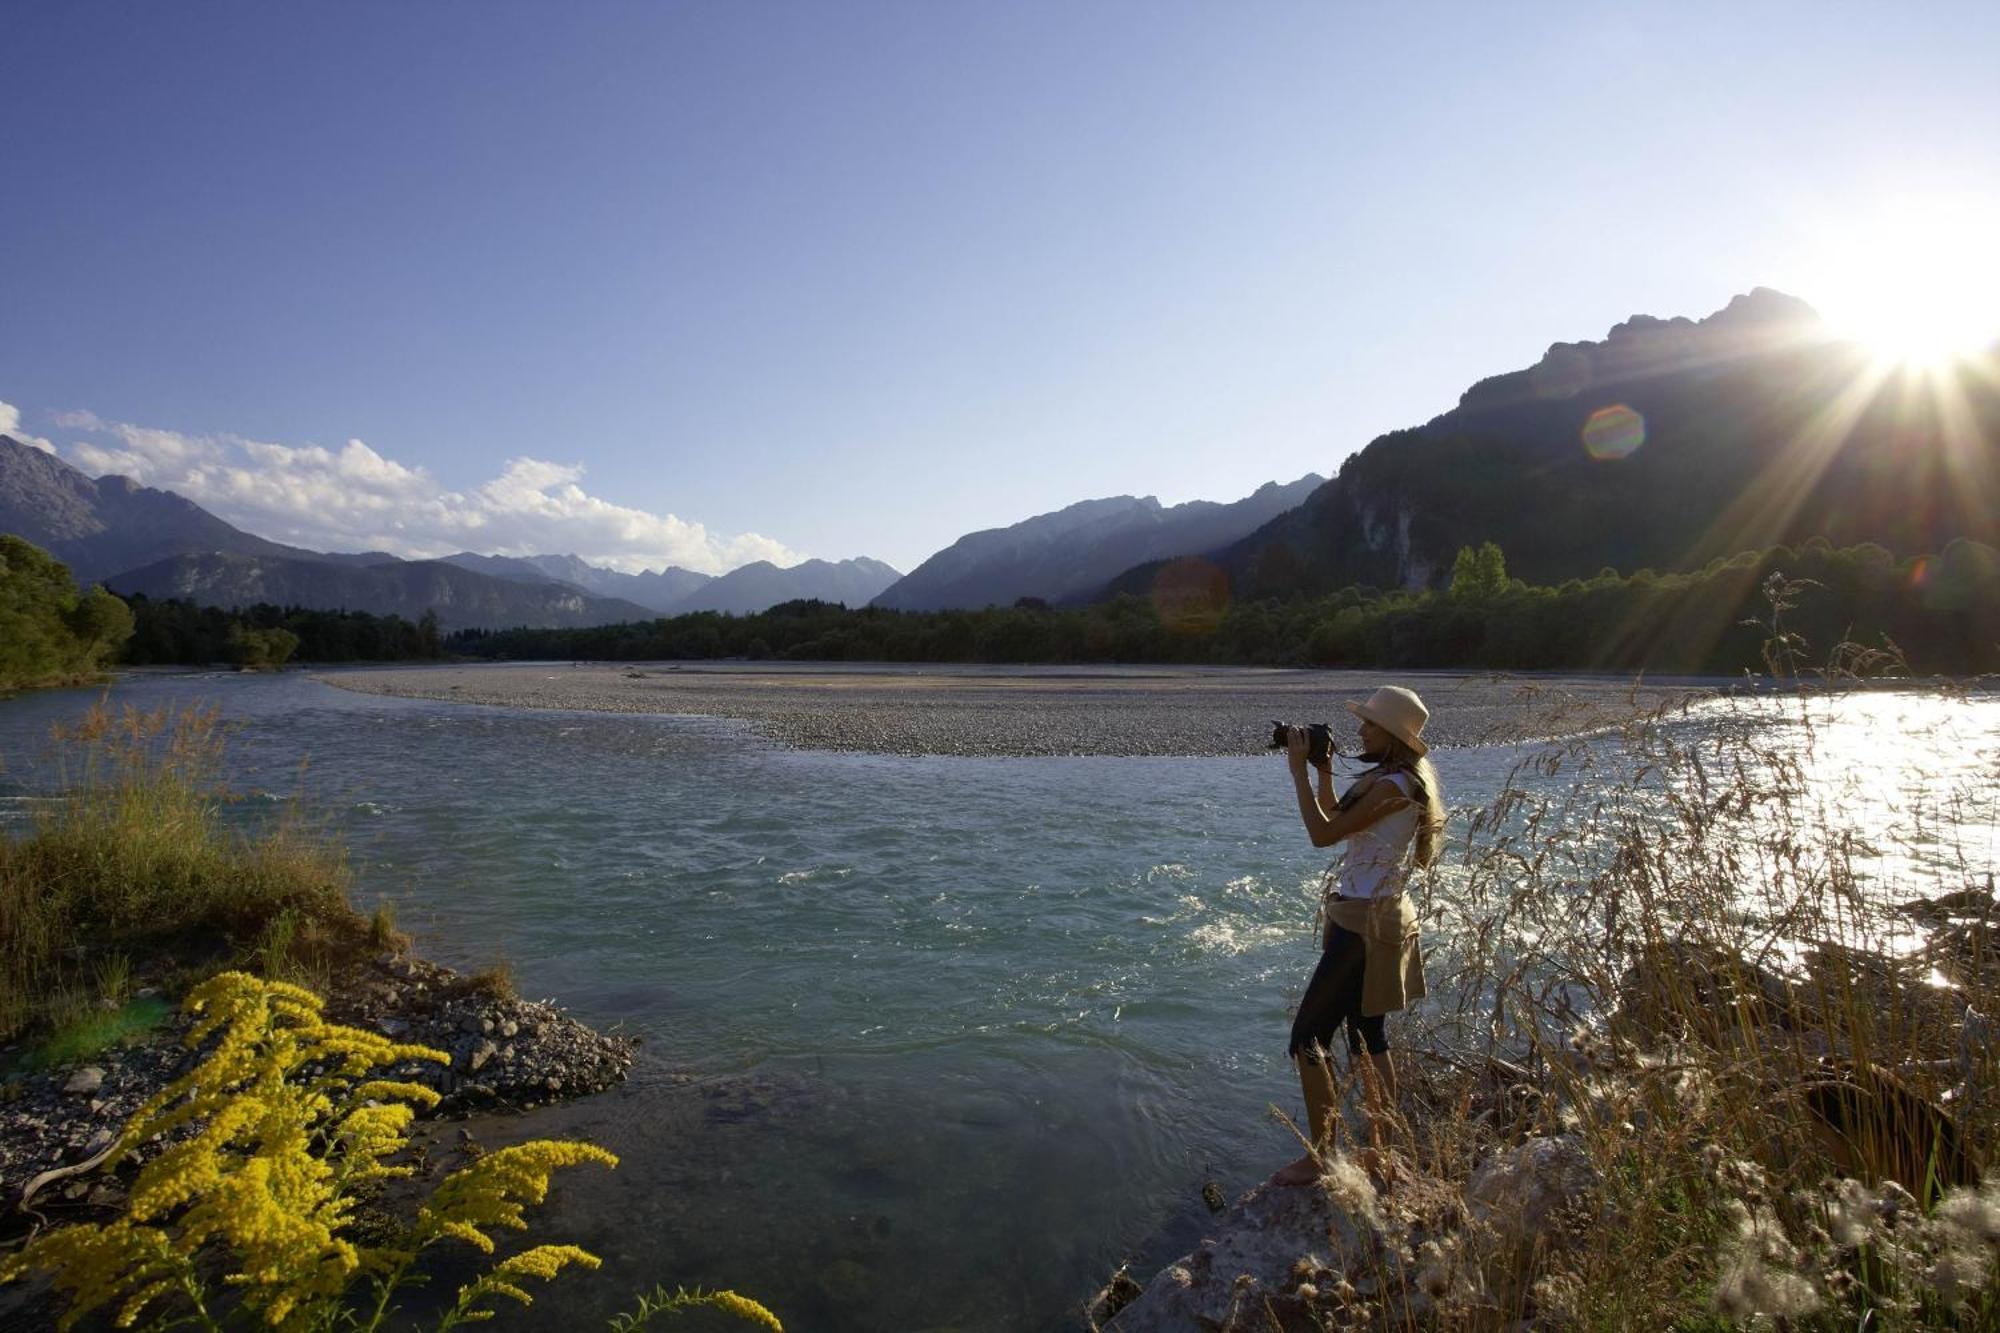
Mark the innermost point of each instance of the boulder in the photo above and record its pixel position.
(1518, 1192)
(1709, 992)
(1254, 1257)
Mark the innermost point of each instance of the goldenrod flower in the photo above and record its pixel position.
(260, 1191)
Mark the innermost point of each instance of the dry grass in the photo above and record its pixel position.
(1673, 955)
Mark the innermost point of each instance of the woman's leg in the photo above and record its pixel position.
(1378, 1085)
(1331, 995)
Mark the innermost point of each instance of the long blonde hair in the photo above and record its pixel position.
(1429, 798)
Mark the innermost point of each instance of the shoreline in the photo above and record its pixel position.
(508, 1056)
(993, 712)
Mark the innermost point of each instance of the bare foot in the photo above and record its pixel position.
(1302, 1172)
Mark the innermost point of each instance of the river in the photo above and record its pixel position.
(929, 1042)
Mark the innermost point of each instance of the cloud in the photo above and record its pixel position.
(10, 424)
(355, 499)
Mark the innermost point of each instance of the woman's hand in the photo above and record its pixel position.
(1296, 746)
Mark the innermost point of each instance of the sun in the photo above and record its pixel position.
(1918, 286)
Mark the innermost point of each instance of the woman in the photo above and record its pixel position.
(1390, 819)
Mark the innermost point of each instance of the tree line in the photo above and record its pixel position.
(177, 632)
(1940, 613)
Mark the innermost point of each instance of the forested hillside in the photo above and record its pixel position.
(1666, 445)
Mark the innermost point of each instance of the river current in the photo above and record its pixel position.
(929, 1043)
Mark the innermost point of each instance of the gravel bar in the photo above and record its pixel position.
(990, 711)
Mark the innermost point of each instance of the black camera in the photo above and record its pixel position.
(1319, 741)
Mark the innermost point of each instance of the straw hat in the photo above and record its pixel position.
(1397, 711)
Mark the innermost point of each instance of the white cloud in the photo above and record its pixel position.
(353, 498)
(10, 424)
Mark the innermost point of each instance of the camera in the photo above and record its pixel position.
(1319, 741)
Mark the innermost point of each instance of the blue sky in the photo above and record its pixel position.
(710, 281)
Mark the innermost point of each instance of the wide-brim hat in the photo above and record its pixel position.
(1397, 711)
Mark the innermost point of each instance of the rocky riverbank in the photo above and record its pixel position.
(507, 1054)
(1754, 1132)
(1036, 711)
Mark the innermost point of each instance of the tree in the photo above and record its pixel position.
(1478, 574)
(261, 649)
(49, 635)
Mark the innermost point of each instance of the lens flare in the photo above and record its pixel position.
(1613, 432)
(1191, 595)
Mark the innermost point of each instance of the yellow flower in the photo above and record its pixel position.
(745, 1309)
(260, 1191)
(493, 1190)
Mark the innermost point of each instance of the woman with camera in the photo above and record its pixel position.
(1370, 965)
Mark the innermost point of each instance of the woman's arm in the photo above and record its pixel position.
(1325, 829)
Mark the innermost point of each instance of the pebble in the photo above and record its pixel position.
(536, 1055)
(1095, 710)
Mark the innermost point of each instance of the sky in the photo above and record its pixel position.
(703, 283)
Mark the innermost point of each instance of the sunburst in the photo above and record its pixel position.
(1919, 285)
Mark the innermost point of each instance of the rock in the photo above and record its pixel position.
(88, 1079)
(470, 1025)
(1212, 1195)
(392, 1027)
(1116, 1294)
(486, 1051)
(1253, 1251)
(1713, 993)
(1965, 902)
(510, 1028)
(1518, 1191)
(1878, 1127)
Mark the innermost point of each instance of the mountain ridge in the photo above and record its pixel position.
(1069, 553)
(1666, 444)
(461, 598)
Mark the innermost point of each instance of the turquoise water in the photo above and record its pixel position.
(928, 1042)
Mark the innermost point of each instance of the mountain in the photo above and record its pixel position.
(517, 568)
(660, 590)
(761, 585)
(1071, 553)
(100, 527)
(1665, 445)
(462, 598)
(136, 539)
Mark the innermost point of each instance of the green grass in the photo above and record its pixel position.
(102, 1030)
(137, 873)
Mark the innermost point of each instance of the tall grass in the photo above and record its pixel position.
(1674, 953)
(134, 870)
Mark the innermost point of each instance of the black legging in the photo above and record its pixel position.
(1333, 998)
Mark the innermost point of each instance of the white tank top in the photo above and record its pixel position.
(1375, 860)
